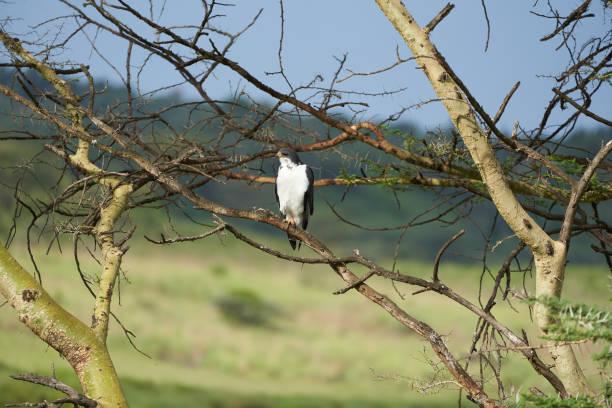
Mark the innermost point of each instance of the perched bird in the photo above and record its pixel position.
(294, 190)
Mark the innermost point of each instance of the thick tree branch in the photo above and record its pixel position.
(375, 269)
(61, 330)
(549, 255)
(120, 192)
(167, 167)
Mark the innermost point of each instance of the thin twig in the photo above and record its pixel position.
(575, 15)
(582, 109)
(165, 241)
(572, 207)
(441, 251)
(484, 8)
(355, 284)
(74, 397)
(503, 105)
(378, 71)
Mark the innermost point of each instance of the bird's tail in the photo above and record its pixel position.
(292, 241)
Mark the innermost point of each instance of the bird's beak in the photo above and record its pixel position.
(278, 154)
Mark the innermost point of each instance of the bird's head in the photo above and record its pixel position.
(288, 156)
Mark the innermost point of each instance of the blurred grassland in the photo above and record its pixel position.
(314, 350)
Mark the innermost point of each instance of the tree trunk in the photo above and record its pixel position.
(76, 342)
(549, 254)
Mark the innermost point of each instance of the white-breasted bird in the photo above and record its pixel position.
(294, 190)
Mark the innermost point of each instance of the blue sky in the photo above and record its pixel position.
(317, 31)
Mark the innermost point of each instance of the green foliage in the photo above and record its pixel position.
(595, 184)
(533, 401)
(246, 307)
(349, 179)
(604, 356)
(572, 167)
(606, 76)
(569, 165)
(576, 321)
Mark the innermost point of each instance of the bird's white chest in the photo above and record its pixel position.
(291, 185)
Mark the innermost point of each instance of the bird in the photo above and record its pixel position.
(294, 190)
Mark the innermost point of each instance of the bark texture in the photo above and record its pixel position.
(549, 254)
(57, 327)
(61, 330)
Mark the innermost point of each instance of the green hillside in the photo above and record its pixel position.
(298, 345)
(372, 206)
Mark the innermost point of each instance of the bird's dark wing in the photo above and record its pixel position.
(308, 198)
(276, 191)
(310, 192)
